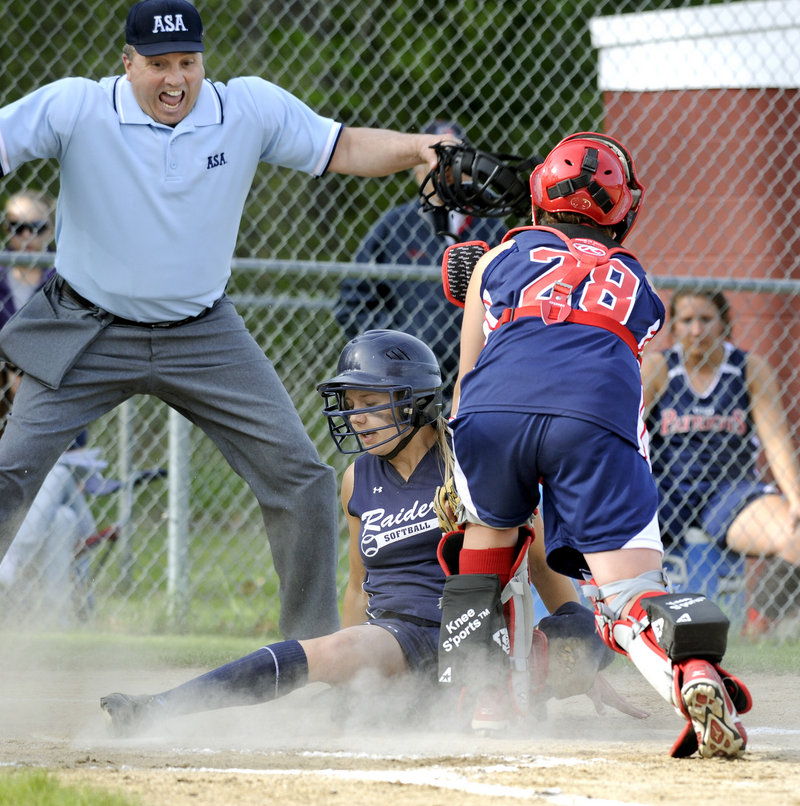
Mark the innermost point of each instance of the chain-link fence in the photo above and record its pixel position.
(705, 95)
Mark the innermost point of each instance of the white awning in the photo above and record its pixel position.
(732, 45)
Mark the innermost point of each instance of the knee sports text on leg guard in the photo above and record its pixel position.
(480, 621)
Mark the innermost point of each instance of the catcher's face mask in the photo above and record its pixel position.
(477, 183)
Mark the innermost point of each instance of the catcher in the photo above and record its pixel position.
(555, 321)
(384, 406)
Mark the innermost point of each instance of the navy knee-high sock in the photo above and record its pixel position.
(265, 674)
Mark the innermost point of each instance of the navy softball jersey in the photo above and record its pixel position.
(399, 536)
(704, 446)
(568, 368)
(561, 403)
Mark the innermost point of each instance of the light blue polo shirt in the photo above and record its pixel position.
(147, 214)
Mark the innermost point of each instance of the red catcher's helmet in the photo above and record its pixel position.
(591, 174)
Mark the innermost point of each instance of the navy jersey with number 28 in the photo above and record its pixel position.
(565, 368)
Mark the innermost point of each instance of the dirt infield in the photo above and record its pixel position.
(302, 750)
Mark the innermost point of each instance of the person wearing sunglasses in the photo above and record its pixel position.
(27, 227)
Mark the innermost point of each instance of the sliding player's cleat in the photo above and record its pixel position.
(129, 714)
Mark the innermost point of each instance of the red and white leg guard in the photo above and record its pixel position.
(676, 641)
(517, 602)
(485, 629)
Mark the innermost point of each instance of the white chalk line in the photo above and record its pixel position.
(772, 731)
(435, 776)
(440, 778)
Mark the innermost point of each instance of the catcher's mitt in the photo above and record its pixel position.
(448, 507)
(575, 654)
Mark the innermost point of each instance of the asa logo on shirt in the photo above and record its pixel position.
(167, 23)
(215, 160)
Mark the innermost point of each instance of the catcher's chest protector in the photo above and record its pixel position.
(581, 256)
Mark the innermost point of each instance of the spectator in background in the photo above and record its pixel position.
(43, 550)
(711, 406)
(43, 557)
(407, 235)
(28, 227)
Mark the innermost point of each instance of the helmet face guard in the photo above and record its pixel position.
(346, 437)
(387, 362)
(477, 183)
(591, 174)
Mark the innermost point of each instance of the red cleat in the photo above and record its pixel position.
(714, 720)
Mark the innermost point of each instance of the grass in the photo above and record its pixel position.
(231, 586)
(71, 650)
(763, 656)
(41, 788)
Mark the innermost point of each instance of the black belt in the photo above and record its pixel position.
(70, 293)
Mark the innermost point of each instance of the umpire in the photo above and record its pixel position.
(155, 168)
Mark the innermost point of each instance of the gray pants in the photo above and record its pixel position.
(212, 372)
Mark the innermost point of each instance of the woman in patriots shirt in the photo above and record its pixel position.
(712, 407)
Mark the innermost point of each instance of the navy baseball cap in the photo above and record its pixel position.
(164, 26)
(440, 126)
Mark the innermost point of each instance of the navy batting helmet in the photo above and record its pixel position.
(390, 362)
